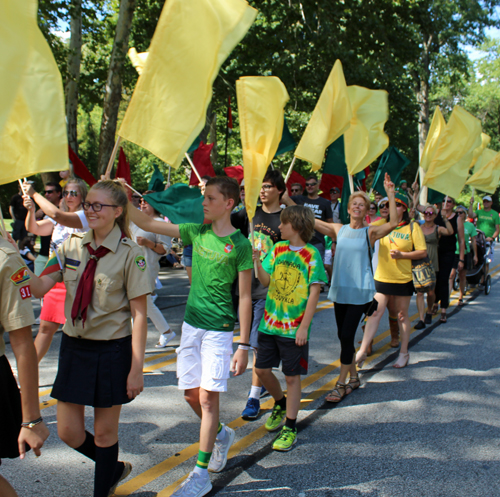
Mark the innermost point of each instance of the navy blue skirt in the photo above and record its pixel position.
(93, 372)
(10, 411)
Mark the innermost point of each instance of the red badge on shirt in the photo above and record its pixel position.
(25, 292)
(228, 248)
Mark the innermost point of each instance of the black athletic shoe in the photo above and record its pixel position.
(420, 325)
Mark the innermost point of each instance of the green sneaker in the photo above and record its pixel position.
(285, 440)
(274, 421)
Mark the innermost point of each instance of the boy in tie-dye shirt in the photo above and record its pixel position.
(294, 272)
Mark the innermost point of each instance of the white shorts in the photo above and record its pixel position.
(327, 261)
(204, 359)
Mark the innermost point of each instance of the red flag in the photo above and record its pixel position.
(235, 172)
(123, 168)
(79, 168)
(329, 181)
(295, 178)
(229, 114)
(202, 162)
(363, 183)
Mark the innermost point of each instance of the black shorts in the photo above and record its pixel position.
(93, 372)
(274, 349)
(468, 261)
(397, 289)
(10, 411)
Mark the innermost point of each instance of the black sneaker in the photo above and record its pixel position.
(420, 325)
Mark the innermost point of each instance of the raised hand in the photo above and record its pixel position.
(389, 185)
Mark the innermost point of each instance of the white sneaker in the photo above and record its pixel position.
(218, 460)
(193, 486)
(164, 339)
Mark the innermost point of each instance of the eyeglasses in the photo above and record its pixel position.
(49, 192)
(373, 208)
(460, 213)
(295, 190)
(312, 184)
(71, 193)
(398, 204)
(384, 206)
(448, 201)
(136, 196)
(428, 213)
(96, 206)
(266, 187)
(242, 189)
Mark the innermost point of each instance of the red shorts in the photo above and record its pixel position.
(53, 305)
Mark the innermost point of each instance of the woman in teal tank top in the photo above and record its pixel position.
(352, 281)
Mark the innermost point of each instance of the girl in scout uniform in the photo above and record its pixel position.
(102, 352)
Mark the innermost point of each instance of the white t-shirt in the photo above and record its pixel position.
(60, 233)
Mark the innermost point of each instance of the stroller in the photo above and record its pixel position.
(476, 273)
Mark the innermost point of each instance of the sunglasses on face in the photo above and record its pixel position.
(428, 213)
(295, 190)
(136, 196)
(460, 213)
(448, 201)
(373, 208)
(401, 205)
(384, 206)
(49, 192)
(96, 206)
(71, 193)
(311, 184)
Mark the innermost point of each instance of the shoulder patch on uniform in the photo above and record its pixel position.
(141, 262)
(20, 276)
(71, 263)
(228, 248)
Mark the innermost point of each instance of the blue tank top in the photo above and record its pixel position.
(352, 280)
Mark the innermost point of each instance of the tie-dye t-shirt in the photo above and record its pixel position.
(292, 272)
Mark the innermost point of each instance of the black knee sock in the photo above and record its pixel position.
(88, 447)
(106, 468)
(281, 402)
(290, 423)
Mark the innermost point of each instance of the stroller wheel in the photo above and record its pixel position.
(487, 285)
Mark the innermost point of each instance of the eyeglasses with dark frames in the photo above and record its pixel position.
(312, 184)
(49, 192)
(96, 206)
(71, 193)
(266, 187)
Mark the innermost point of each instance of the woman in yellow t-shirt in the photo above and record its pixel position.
(393, 277)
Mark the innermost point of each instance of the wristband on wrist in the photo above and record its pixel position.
(461, 260)
(246, 344)
(244, 347)
(32, 424)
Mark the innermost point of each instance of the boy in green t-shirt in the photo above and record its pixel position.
(294, 272)
(220, 255)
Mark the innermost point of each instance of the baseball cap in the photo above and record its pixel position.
(487, 197)
(334, 190)
(385, 199)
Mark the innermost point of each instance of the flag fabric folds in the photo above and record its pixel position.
(438, 124)
(191, 41)
(330, 119)
(449, 167)
(157, 181)
(32, 117)
(138, 60)
(287, 142)
(365, 139)
(235, 172)
(80, 169)
(486, 172)
(392, 162)
(179, 203)
(202, 162)
(261, 102)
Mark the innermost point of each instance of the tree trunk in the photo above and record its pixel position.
(74, 58)
(113, 94)
(214, 155)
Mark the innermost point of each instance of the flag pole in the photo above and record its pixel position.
(133, 189)
(107, 174)
(351, 183)
(253, 248)
(192, 167)
(289, 173)
(168, 179)
(4, 230)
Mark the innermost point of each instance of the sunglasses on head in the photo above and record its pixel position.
(71, 193)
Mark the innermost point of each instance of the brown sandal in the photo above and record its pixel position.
(352, 384)
(337, 394)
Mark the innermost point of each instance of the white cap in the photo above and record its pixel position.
(487, 197)
(242, 182)
(385, 199)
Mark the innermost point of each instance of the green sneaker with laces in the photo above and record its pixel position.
(274, 421)
(285, 440)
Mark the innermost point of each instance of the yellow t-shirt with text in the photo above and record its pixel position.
(391, 270)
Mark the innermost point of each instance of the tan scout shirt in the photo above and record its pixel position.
(16, 310)
(121, 275)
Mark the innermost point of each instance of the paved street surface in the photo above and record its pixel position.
(431, 429)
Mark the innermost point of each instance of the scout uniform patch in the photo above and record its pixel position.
(20, 276)
(141, 262)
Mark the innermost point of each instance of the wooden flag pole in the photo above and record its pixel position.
(351, 183)
(290, 169)
(4, 231)
(416, 177)
(168, 179)
(133, 189)
(192, 167)
(107, 174)
(252, 236)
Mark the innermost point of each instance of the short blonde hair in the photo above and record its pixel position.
(302, 220)
(359, 194)
(432, 206)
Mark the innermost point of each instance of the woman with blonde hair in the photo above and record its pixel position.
(60, 222)
(352, 288)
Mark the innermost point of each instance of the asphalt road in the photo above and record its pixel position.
(431, 429)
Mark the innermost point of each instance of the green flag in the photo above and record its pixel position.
(194, 145)
(335, 158)
(434, 197)
(287, 142)
(179, 203)
(157, 182)
(392, 162)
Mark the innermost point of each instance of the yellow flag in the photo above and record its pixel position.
(449, 168)
(33, 130)
(261, 102)
(138, 60)
(330, 119)
(438, 125)
(486, 172)
(485, 141)
(192, 40)
(365, 139)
